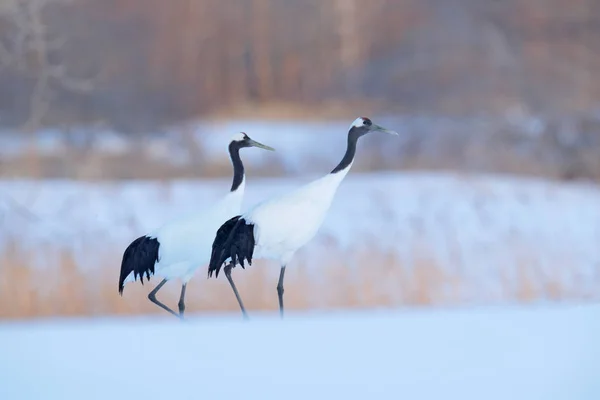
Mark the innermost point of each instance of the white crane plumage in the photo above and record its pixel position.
(278, 227)
(179, 247)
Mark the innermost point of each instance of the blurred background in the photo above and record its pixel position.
(115, 116)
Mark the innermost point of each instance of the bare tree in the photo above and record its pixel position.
(261, 48)
(348, 17)
(29, 47)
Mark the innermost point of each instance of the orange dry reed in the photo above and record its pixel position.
(375, 279)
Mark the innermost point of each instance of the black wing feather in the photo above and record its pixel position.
(235, 239)
(139, 257)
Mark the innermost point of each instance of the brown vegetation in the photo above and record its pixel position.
(382, 280)
(136, 64)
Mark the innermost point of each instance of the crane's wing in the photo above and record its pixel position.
(234, 240)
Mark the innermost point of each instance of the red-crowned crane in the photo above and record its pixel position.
(278, 227)
(179, 247)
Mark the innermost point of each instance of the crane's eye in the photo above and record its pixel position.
(367, 122)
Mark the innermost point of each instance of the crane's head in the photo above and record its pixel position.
(363, 125)
(241, 140)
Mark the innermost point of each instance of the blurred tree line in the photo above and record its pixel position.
(139, 64)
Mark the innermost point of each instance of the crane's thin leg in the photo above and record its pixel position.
(152, 298)
(227, 270)
(181, 303)
(280, 290)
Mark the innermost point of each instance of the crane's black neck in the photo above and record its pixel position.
(238, 167)
(353, 137)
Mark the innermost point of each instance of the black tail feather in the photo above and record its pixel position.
(139, 257)
(235, 240)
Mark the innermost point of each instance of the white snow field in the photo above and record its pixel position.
(507, 353)
(485, 232)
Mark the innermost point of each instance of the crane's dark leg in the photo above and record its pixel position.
(152, 298)
(280, 290)
(227, 270)
(181, 303)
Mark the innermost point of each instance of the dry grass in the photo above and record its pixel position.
(109, 167)
(281, 110)
(373, 280)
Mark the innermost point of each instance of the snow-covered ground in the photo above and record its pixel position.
(508, 353)
(489, 230)
(303, 146)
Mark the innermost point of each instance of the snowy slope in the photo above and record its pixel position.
(481, 214)
(484, 233)
(302, 146)
(530, 353)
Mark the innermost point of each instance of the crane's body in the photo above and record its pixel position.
(278, 227)
(184, 244)
(181, 246)
(297, 216)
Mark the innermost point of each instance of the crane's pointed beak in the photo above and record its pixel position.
(378, 128)
(254, 143)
